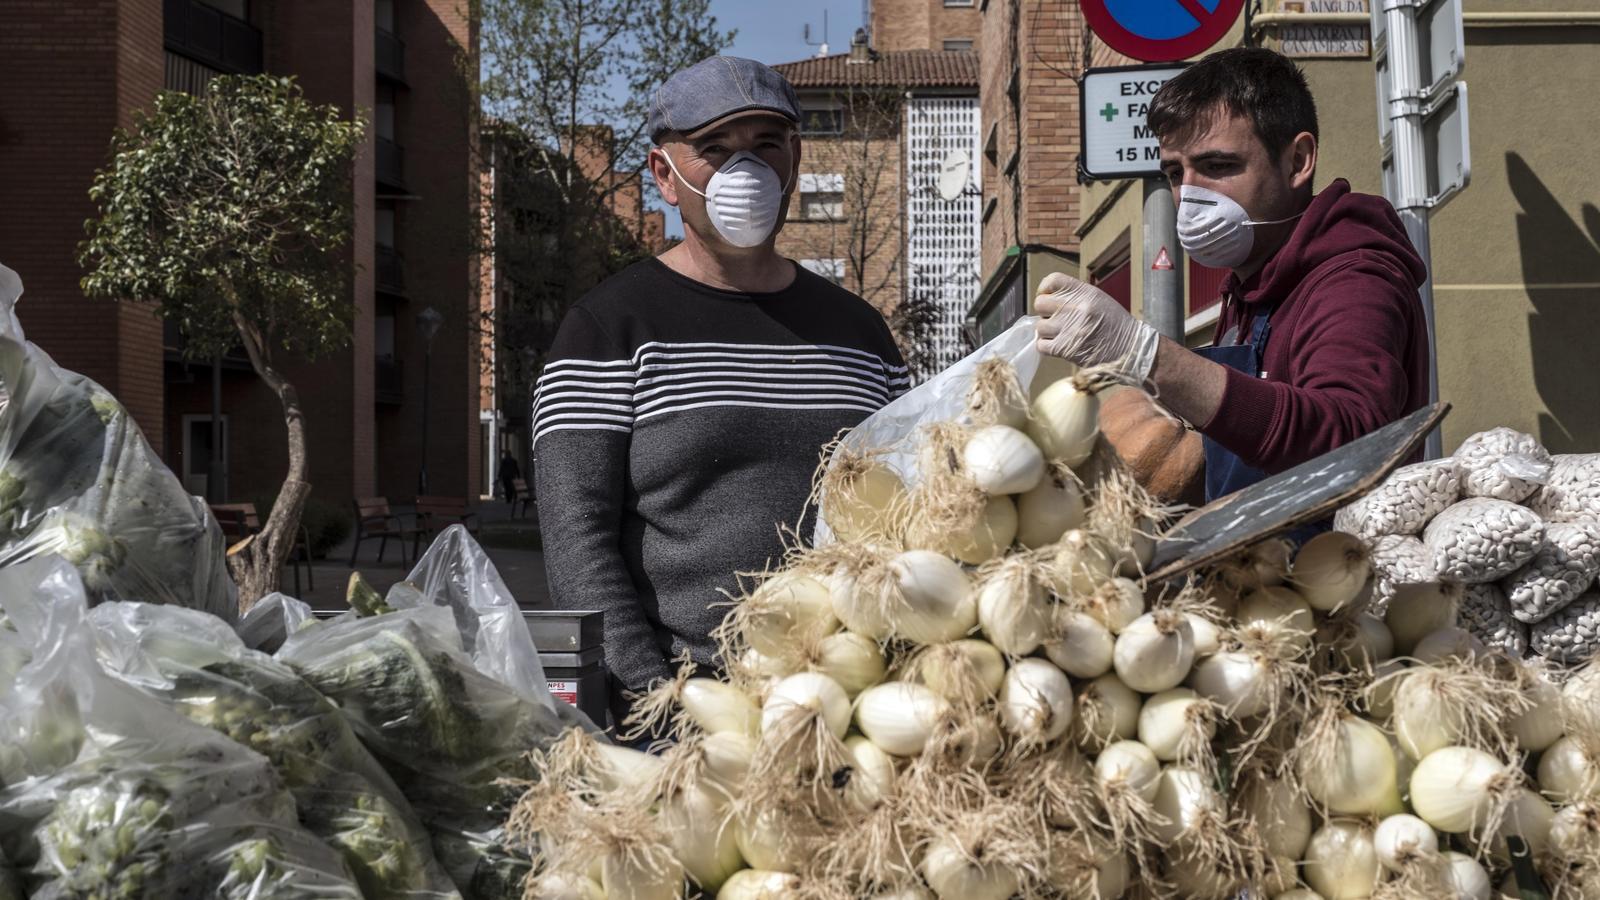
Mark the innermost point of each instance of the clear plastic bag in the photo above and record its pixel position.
(446, 732)
(127, 799)
(893, 434)
(457, 574)
(1502, 464)
(1572, 493)
(78, 479)
(270, 622)
(197, 666)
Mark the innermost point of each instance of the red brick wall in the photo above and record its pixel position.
(921, 24)
(1037, 201)
(69, 73)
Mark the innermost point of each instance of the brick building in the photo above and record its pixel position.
(888, 200)
(72, 72)
(925, 25)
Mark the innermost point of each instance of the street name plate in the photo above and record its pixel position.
(1313, 40)
(1117, 142)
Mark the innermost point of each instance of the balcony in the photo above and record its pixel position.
(391, 272)
(210, 36)
(390, 57)
(388, 383)
(391, 166)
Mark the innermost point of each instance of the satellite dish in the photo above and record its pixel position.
(955, 173)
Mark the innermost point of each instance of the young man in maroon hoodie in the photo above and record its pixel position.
(1321, 337)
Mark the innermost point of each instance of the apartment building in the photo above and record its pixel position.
(70, 73)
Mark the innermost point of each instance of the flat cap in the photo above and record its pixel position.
(717, 89)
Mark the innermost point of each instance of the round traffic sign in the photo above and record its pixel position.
(1161, 30)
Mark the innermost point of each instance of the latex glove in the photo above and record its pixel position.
(1083, 325)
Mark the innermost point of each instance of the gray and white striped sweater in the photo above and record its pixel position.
(676, 427)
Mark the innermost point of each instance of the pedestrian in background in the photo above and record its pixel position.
(509, 473)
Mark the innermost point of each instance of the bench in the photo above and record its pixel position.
(240, 521)
(374, 519)
(435, 514)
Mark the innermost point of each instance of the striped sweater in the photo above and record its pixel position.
(676, 427)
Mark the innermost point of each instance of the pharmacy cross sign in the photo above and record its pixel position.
(1110, 112)
(1161, 30)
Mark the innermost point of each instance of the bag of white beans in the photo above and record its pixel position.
(1562, 570)
(1572, 492)
(1481, 540)
(1502, 464)
(1405, 502)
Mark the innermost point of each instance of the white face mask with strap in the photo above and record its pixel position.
(743, 198)
(1216, 230)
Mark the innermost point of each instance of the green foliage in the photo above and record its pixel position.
(226, 210)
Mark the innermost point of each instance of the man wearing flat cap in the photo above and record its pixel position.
(688, 398)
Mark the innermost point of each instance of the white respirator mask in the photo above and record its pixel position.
(1215, 230)
(742, 198)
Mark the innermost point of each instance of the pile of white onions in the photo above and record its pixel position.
(971, 694)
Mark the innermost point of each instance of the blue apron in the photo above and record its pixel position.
(1225, 471)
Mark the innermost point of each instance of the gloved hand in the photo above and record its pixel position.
(1083, 325)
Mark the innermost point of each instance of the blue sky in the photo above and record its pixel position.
(772, 31)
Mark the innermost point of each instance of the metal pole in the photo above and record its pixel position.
(427, 383)
(217, 475)
(1163, 287)
(1410, 167)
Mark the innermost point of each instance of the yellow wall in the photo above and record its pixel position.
(1516, 256)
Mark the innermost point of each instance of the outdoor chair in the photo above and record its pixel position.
(435, 514)
(240, 521)
(375, 520)
(520, 494)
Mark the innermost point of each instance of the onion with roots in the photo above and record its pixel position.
(1116, 602)
(1036, 702)
(787, 609)
(997, 396)
(1276, 612)
(1540, 724)
(873, 776)
(1108, 711)
(1347, 765)
(1465, 878)
(1177, 724)
(1155, 652)
(1207, 635)
(899, 716)
(981, 538)
(861, 498)
(727, 758)
(1341, 862)
(967, 672)
(1449, 644)
(1404, 841)
(1013, 610)
(1575, 832)
(1051, 509)
(770, 839)
(1279, 813)
(696, 823)
(1002, 460)
(558, 886)
(1457, 789)
(861, 608)
(1354, 643)
(1187, 804)
(1569, 771)
(931, 598)
(804, 695)
(1528, 817)
(1419, 610)
(1452, 703)
(641, 873)
(1066, 419)
(717, 706)
(1131, 764)
(854, 661)
(1078, 565)
(1079, 644)
(1331, 571)
(754, 884)
(959, 864)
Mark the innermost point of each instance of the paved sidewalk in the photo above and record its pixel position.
(512, 546)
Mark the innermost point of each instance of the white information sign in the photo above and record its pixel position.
(1117, 142)
(1313, 40)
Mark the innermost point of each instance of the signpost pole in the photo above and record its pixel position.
(1163, 279)
(1406, 99)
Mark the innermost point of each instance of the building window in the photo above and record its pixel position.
(197, 452)
(1116, 280)
(831, 269)
(959, 2)
(823, 121)
(383, 117)
(822, 197)
(961, 44)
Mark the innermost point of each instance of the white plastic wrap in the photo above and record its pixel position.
(457, 574)
(894, 432)
(272, 620)
(195, 665)
(1502, 464)
(108, 794)
(78, 479)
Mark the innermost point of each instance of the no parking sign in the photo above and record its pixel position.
(1161, 30)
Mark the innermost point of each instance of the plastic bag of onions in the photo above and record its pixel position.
(991, 386)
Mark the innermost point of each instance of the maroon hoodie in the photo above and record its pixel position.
(1348, 350)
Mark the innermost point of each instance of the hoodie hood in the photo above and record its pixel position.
(1337, 222)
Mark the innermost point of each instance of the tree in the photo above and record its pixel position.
(226, 212)
(565, 86)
